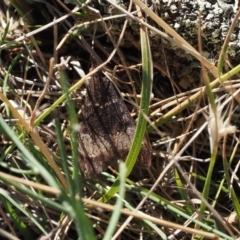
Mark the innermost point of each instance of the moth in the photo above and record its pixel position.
(107, 129)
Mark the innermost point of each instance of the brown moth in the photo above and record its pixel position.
(107, 129)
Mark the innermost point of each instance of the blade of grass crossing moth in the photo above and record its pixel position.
(146, 90)
(76, 183)
(74, 203)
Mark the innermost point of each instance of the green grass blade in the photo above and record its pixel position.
(77, 180)
(28, 156)
(9, 202)
(118, 206)
(146, 90)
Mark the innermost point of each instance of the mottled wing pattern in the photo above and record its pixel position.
(107, 129)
